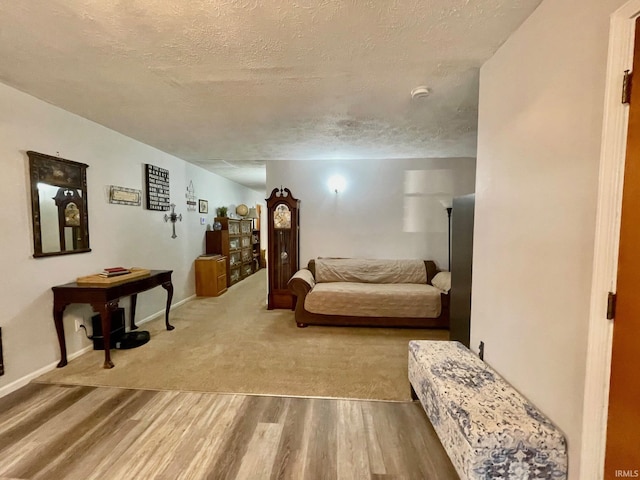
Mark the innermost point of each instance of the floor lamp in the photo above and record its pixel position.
(448, 206)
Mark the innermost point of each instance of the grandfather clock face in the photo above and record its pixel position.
(282, 217)
(282, 230)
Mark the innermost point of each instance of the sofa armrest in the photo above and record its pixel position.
(302, 282)
(431, 268)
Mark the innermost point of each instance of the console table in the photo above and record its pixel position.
(104, 300)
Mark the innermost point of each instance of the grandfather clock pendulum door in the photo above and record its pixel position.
(283, 247)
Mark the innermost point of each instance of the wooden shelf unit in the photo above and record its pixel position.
(234, 242)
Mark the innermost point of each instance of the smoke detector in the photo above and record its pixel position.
(420, 92)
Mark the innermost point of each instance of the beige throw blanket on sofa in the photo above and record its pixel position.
(370, 271)
(373, 288)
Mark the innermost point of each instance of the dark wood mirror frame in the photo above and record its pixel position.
(71, 179)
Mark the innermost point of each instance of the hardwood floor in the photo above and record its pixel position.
(76, 432)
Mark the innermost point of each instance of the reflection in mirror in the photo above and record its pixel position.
(59, 205)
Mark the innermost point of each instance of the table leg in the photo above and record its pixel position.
(168, 286)
(105, 310)
(134, 299)
(58, 311)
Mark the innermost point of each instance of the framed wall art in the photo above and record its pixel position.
(125, 196)
(191, 197)
(157, 187)
(203, 206)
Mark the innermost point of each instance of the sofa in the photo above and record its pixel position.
(371, 292)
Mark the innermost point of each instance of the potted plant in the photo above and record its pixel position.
(221, 211)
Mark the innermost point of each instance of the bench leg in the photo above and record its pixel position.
(413, 393)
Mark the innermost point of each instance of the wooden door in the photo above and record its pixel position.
(623, 426)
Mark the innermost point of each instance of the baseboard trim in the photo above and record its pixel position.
(160, 313)
(21, 382)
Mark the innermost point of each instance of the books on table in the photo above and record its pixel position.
(114, 272)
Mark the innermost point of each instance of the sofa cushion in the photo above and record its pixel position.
(442, 280)
(362, 270)
(407, 300)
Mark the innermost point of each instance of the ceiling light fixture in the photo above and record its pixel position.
(420, 92)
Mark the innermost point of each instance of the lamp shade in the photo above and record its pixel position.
(252, 213)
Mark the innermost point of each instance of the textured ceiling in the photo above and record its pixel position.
(230, 84)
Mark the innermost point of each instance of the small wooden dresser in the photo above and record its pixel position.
(211, 275)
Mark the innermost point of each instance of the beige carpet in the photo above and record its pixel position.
(233, 344)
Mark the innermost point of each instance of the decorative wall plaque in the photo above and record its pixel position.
(157, 186)
(191, 197)
(125, 196)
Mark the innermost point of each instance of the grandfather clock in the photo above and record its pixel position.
(283, 246)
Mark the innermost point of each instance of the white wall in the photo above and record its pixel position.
(389, 208)
(119, 235)
(540, 121)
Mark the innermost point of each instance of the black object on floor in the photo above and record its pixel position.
(133, 340)
(117, 329)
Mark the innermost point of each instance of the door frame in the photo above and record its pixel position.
(607, 241)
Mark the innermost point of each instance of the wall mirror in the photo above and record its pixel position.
(58, 205)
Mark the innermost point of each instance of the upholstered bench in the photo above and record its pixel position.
(488, 429)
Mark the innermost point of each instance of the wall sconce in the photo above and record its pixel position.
(337, 183)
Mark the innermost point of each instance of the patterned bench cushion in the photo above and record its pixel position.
(489, 430)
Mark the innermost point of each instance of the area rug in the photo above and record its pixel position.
(233, 344)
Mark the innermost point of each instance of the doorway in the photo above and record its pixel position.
(612, 161)
(622, 456)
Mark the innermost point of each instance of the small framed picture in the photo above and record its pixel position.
(203, 206)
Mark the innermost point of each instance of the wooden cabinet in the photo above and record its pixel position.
(233, 241)
(461, 263)
(211, 275)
